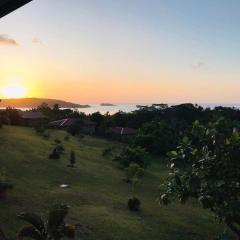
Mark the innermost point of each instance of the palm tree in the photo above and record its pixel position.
(52, 229)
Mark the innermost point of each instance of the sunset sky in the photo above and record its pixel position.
(123, 51)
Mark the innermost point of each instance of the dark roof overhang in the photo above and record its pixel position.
(8, 6)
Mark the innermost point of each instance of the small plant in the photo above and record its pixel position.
(133, 173)
(54, 228)
(72, 159)
(67, 138)
(134, 204)
(55, 154)
(60, 149)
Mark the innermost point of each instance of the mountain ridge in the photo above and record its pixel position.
(35, 102)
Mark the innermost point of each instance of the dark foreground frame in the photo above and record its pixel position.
(8, 6)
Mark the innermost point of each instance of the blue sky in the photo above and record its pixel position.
(174, 51)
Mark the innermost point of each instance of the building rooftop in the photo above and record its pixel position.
(70, 121)
(32, 115)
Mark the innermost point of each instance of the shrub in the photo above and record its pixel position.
(133, 155)
(106, 152)
(134, 204)
(60, 149)
(57, 141)
(133, 173)
(66, 138)
(55, 154)
(74, 129)
(206, 166)
(72, 159)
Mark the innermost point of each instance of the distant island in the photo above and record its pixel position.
(35, 102)
(107, 104)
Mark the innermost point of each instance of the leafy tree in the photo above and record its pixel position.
(133, 173)
(75, 128)
(157, 137)
(11, 116)
(45, 109)
(97, 117)
(206, 166)
(54, 228)
(130, 155)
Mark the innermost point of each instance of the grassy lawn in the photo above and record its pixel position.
(97, 196)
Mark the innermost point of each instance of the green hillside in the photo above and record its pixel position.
(97, 196)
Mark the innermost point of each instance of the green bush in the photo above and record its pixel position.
(134, 172)
(57, 141)
(55, 154)
(130, 155)
(74, 129)
(206, 166)
(134, 204)
(60, 149)
(67, 138)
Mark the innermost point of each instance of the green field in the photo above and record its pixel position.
(98, 194)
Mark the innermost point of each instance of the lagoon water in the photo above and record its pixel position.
(129, 107)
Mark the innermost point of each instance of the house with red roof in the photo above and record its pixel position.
(87, 126)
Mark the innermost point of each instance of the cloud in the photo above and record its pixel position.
(37, 41)
(5, 40)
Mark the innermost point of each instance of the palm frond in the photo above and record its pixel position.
(29, 231)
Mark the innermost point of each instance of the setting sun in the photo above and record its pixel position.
(14, 90)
